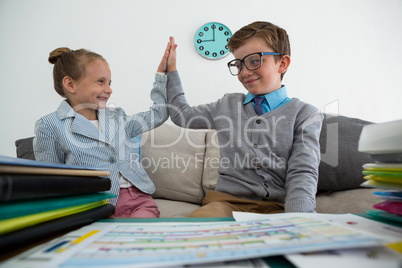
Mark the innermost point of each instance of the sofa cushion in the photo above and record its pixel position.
(211, 161)
(175, 209)
(173, 158)
(341, 162)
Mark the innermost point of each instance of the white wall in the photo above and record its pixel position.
(346, 54)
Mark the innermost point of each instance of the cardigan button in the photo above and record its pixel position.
(258, 121)
(112, 160)
(255, 146)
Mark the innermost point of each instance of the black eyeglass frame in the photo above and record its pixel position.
(243, 63)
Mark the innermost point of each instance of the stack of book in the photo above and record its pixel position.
(383, 142)
(385, 176)
(39, 200)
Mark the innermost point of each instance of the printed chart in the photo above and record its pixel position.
(152, 244)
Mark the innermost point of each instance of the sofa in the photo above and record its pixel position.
(183, 164)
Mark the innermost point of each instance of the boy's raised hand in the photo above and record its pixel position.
(168, 62)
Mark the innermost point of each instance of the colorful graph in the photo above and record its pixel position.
(142, 245)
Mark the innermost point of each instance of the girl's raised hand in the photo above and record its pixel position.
(171, 63)
(168, 62)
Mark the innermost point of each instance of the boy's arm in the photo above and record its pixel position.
(184, 115)
(302, 171)
(181, 113)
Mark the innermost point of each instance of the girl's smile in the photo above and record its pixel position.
(92, 91)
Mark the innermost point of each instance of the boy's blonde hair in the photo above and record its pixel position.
(70, 63)
(276, 37)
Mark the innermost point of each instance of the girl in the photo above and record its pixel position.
(83, 131)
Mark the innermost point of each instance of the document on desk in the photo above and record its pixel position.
(367, 257)
(174, 244)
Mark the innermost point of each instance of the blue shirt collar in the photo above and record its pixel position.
(273, 98)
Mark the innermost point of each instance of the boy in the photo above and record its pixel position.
(269, 143)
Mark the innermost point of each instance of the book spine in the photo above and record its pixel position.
(40, 232)
(22, 187)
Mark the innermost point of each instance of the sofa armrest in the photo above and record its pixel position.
(349, 201)
(24, 148)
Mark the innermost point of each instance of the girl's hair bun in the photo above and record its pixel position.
(56, 54)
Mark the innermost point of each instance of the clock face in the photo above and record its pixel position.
(211, 40)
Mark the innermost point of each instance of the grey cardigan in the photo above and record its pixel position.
(271, 157)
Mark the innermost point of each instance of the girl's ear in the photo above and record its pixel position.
(68, 84)
(284, 65)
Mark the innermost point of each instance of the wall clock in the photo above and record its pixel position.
(211, 40)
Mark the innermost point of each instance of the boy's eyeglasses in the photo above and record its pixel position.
(251, 62)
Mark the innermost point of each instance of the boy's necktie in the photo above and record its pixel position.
(257, 107)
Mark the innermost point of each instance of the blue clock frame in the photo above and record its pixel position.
(211, 40)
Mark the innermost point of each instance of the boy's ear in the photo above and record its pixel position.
(284, 65)
(68, 84)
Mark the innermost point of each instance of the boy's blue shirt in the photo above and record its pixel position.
(271, 100)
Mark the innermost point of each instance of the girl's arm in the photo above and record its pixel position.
(45, 144)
